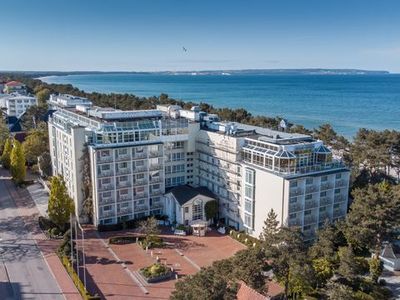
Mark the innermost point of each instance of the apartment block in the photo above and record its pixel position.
(16, 104)
(136, 157)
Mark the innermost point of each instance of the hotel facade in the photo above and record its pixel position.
(137, 156)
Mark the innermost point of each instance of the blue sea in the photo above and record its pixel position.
(348, 102)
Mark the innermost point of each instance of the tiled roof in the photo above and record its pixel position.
(185, 193)
(14, 83)
(247, 293)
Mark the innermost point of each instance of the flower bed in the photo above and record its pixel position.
(244, 238)
(121, 240)
(156, 273)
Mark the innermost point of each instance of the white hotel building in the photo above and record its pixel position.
(136, 155)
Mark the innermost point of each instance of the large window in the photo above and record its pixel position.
(197, 210)
(248, 220)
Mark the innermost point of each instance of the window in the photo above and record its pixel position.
(248, 206)
(324, 178)
(186, 210)
(309, 181)
(308, 197)
(322, 209)
(293, 184)
(248, 191)
(293, 200)
(292, 216)
(322, 194)
(197, 210)
(107, 208)
(249, 176)
(338, 176)
(248, 221)
(105, 167)
(337, 191)
(307, 212)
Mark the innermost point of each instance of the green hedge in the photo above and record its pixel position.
(77, 281)
(244, 238)
(129, 224)
(120, 240)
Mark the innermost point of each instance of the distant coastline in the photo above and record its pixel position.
(258, 72)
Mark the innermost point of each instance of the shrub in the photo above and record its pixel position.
(121, 240)
(77, 281)
(156, 272)
(243, 238)
(46, 224)
(55, 232)
(382, 282)
(152, 242)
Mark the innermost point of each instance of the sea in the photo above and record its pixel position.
(347, 102)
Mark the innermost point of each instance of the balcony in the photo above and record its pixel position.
(156, 180)
(310, 220)
(341, 183)
(107, 214)
(338, 213)
(123, 171)
(124, 211)
(326, 186)
(310, 204)
(139, 155)
(325, 201)
(156, 167)
(139, 208)
(293, 207)
(158, 153)
(123, 184)
(296, 191)
(156, 192)
(157, 205)
(123, 157)
(323, 216)
(122, 198)
(140, 195)
(106, 201)
(295, 222)
(105, 174)
(140, 182)
(339, 198)
(139, 169)
(106, 187)
(104, 159)
(311, 189)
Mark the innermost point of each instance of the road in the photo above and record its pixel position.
(24, 273)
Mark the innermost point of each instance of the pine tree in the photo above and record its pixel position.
(5, 157)
(17, 163)
(61, 205)
(270, 228)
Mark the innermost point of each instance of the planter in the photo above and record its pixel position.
(155, 279)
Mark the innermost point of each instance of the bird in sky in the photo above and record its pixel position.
(184, 49)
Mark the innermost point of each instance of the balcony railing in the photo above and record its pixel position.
(296, 191)
(140, 195)
(138, 208)
(294, 222)
(105, 159)
(310, 220)
(139, 169)
(325, 201)
(106, 201)
(339, 198)
(293, 207)
(156, 206)
(155, 179)
(105, 174)
(311, 189)
(155, 167)
(341, 183)
(156, 192)
(123, 157)
(123, 171)
(124, 211)
(139, 155)
(122, 198)
(106, 214)
(326, 186)
(155, 153)
(123, 184)
(310, 204)
(140, 182)
(106, 187)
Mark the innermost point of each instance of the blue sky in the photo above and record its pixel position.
(143, 35)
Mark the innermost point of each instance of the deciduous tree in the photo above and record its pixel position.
(36, 143)
(17, 163)
(6, 155)
(61, 205)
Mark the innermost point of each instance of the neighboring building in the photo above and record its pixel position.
(16, 104)
(14, 87)
(390, 257)
(186, 205)
(136, 155)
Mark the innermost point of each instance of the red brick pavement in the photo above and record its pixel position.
(29, 214)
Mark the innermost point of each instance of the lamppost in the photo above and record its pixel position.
(76, 226)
